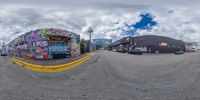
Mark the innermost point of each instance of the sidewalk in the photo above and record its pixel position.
(52, 61)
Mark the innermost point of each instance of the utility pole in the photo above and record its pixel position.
(90, 31)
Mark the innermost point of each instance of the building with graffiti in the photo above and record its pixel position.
(48, 43)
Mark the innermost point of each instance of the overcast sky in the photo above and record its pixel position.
(178, 19)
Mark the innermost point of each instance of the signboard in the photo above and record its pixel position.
(162, 44)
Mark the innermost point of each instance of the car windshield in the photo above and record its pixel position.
(99, 50)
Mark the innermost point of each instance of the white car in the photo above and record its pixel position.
(3, 53)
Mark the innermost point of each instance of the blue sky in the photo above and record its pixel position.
(145, 23)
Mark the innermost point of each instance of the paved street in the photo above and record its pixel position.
(108, 76)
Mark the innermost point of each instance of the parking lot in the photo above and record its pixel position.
(108, 76)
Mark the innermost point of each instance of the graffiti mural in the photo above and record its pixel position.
(46, 44)
(58, 49)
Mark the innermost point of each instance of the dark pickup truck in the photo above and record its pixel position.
(135, 52)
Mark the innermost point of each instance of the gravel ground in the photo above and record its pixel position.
(108, 76)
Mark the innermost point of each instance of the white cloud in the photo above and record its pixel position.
(107, 18)
(183, 24)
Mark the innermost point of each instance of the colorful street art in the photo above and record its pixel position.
(46, 44)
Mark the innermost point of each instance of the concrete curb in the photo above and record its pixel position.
(51, 69)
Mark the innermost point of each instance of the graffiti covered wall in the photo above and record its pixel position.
(46, 44)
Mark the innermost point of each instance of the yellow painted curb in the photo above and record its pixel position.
(55, 68)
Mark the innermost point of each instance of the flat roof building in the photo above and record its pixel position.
(150, 44)
(102, 43)
(191, 46)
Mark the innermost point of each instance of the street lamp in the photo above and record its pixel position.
(90, 31)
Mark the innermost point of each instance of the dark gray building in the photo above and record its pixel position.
(149, 44)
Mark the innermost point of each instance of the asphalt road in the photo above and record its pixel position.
(108, 76)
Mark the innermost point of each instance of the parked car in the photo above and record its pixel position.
(135, 51)
(121, 50)
(114, 50)
(179, 52)
(3, 53)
